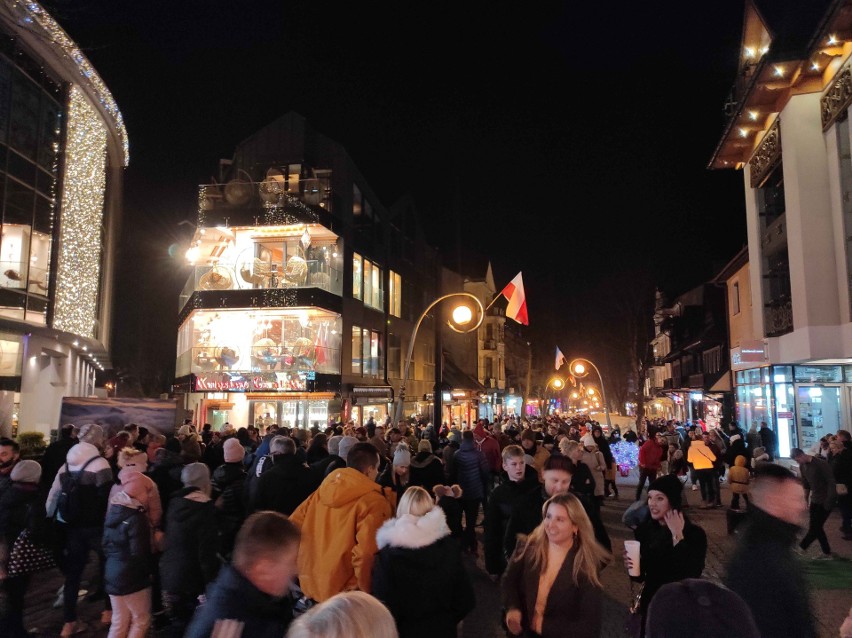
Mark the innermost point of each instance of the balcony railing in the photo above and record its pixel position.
(778, 317)
(266, 195)
(301, 355)
(263, 276)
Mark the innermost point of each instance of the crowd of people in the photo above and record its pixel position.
(271, 532)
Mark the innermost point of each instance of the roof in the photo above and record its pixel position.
(730, 269)
(453, 376)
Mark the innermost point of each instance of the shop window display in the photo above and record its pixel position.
(291, 340)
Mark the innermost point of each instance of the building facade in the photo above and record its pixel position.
(303, 291)
(789, 133)
(63, 149)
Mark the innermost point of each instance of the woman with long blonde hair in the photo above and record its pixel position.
(552, 587)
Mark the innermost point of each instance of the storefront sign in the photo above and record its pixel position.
(250, 382)
(749, 352)
(785, 415)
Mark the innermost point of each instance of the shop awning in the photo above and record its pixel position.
(453, 376)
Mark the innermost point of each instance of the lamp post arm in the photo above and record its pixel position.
(603, 392)
(401, 398)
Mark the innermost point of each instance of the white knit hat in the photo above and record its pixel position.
(401, 456)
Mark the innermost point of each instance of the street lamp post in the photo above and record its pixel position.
(462, 316)
(579, 369)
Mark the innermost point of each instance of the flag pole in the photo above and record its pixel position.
(496, 297)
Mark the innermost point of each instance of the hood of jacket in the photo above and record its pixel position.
(186, 504)
(423, 459)
(79, 454)
(344, 486)
(413, 532)
(122, 507)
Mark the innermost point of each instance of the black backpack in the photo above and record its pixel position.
(69, 506)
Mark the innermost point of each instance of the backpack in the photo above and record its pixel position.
(69, 506)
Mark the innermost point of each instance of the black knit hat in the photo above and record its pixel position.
(671, 487)
(697, 608)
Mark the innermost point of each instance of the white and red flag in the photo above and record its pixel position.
(517, 308)
(560, 358)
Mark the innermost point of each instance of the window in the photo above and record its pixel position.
(376, 288)
(368, 282)
(356, 201)
(395, 296)
(357, 276)
(713, 360)
(356, 350)
(370, 291)
(735, 298)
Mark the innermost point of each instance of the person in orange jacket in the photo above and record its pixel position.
(339, 523)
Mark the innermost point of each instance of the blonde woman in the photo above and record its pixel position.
(551, 588)
(418, 561)
(352, 614)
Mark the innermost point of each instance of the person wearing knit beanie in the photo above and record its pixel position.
(196, 475)
(92, 433)
(671, 487)
(130, 456)
(346, 444)
(401, 457)
(334, 445)
(26, 472)
(234, 451)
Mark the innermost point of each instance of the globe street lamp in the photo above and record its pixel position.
(557, 383)
(580, 368)
(462, 318)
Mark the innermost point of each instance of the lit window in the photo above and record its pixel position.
(395, 296)
(356, 350)
(357, 276)
(356, 201)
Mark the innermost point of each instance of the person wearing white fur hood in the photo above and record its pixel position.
(418, 572)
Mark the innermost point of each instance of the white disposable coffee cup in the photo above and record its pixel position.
(632, 549)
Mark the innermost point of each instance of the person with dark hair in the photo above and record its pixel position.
(820, 492)
(703, 609)
(770, 441)
(10, 454)
(317, 450)
(54, 456)
(764, 554)
(339, 523)
(671, 547)
(470, 471)
(250, 596)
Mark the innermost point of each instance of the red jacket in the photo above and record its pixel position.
(651, 455)
(491, 449)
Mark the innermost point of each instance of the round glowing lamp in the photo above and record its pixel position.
(579, 369)
(558, 383)
(462, 315)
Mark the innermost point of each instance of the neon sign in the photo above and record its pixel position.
(251, 382)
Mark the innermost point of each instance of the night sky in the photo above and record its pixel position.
(577, 134)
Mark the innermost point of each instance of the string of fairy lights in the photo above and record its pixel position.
(32, 16)
(79, 264)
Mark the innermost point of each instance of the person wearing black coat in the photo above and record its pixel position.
(671, 547)
(736, 447)
(54, 456)
(418, 572)
(165, 472)
(228, 495)
(21, 508)
(470, 472)
(127, 565)
(426, 470)
(763, 568)
(189, 561)
(286, 484)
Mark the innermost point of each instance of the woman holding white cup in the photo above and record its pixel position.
(671, 548)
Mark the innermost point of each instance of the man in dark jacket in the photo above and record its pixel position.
(520, 484)
(288, 481)
(770, 441)
(250, 595)
(470, 471)
(764, 556)
(54, 455)
(820, 492)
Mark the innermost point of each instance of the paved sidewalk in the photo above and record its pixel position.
(830, 606)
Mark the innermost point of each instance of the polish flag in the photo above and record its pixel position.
(560, 358)
(517, 308)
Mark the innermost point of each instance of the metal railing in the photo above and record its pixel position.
(272, 276)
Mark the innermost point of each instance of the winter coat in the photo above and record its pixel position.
(283, 488)
(233, 597)
(571, 609)
(539, 456)
(127, 547)
(753, 440)
(229, 501)
(143, 489)
(582, 481)
(841, 465)
(770, 442)
(426, 470)
(597, 465)
(700, 457)
(420, 577)
(660, 562)
(54, 458)
(764, 556)
(502, 503)
(166, 475)
(739, 476)
(93, 484)
(470, 470)
(21, 507)
(735, 448)
(491, 449)
(189, 559)
(651, 455)
(339, 523)
(818, 481)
